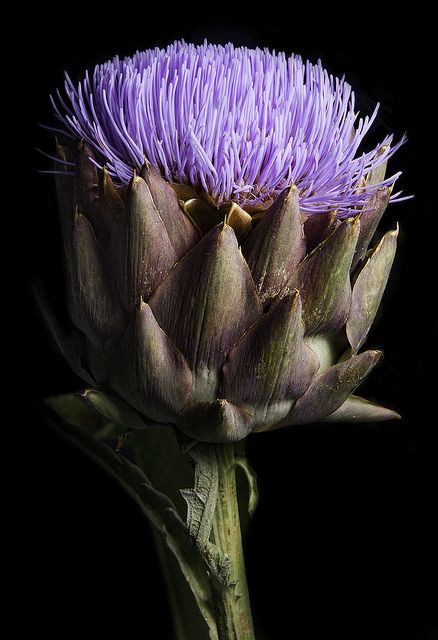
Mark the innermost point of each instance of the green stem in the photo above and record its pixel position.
(233, 610)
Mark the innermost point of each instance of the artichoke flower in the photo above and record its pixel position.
(217, 221)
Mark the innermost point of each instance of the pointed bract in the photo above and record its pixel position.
(94, 194)
(94, 307)
(149, 372)
(86, 180)
(144, 253)
(331, 388)
(205, 305)
(86, 191)
(110, 203)
(181, 231)
(369, 220)
(323, 280)
(217, 421)
(270, 366)
(184, 192)
(368, 290)
(203, 216)
(276, 245)
(357, 409)
(114, 409)
(241, 221)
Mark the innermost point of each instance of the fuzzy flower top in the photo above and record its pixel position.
(238, 123)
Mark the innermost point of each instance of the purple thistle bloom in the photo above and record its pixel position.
(240, 124)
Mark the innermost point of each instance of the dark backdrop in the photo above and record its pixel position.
(344, 540)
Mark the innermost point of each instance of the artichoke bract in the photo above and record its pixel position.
(222, 310)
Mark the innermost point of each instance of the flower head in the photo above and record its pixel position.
(239, 124)
(188, 310)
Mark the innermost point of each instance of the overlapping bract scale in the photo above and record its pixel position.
(183, 326)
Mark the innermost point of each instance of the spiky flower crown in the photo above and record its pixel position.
(240, 124)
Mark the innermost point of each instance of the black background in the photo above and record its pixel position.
(344, 539)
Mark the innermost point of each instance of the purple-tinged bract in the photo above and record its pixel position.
(239, 124)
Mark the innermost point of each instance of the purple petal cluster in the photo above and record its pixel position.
(238, 123)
